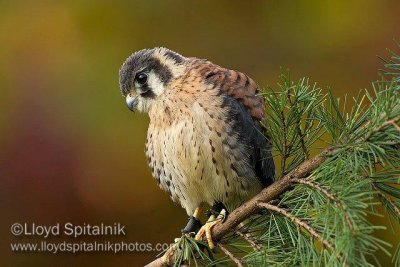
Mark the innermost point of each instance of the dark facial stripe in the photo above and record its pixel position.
(160, 69)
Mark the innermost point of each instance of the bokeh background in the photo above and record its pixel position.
(69, 148)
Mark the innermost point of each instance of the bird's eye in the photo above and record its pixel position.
(141, 78)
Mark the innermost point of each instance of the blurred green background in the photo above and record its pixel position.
(69, 148)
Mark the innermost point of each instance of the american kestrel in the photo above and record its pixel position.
(205, 143)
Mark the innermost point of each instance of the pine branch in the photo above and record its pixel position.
(331, 197)
(298, 222)
(251, 207)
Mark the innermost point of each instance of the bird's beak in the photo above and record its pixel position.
(131, 101)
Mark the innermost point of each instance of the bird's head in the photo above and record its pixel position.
(146, 74)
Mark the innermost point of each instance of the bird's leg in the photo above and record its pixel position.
(194, 223)
(212, 220)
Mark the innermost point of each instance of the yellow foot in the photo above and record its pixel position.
(206, 228)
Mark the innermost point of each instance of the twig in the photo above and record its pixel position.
(249, 239)
(331, 197)
(285, 146)
(383, 125)
(298, 222)
(391, 202)
(396, 126)
(237, 261)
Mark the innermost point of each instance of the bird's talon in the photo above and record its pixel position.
(206, 229)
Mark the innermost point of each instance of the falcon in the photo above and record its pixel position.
(205, 141)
